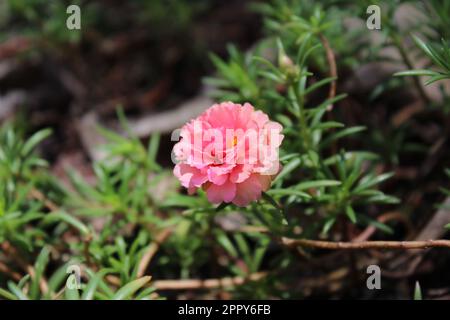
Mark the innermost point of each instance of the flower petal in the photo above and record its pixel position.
(189, 176)
(223, 193)
(248, 191)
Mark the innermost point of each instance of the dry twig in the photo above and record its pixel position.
(151, 251)
(196, 284)
(333, 68)
(401, 245)
(7, 270)
(38, 195)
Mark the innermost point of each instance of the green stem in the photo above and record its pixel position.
(401, 49)
(301, 115)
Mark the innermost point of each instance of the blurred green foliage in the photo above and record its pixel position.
(46, 20)
(107, 223)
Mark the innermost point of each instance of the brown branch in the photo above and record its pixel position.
(151, 251)
(11, 273)
(196, 284)
(114, 280)
(252, 229)
(397, 41)
(333, 68)
(388, 216)
(14, 46)
(12, 252)
(397, 245)
(42, 281)
(38, 195)
(86, 244)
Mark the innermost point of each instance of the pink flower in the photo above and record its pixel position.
(231, 151)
